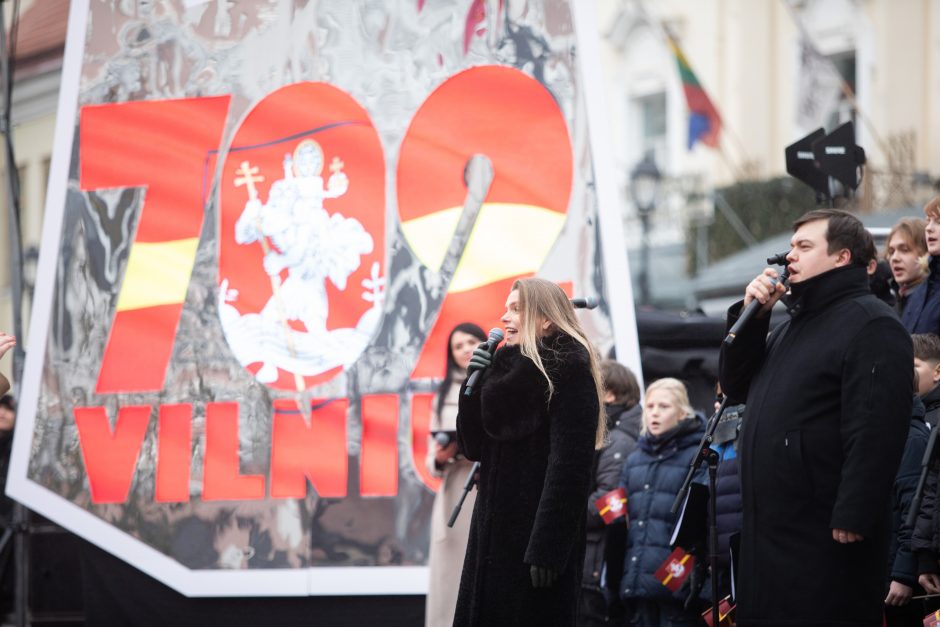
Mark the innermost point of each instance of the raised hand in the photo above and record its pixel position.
(7, 342)
(764, 289)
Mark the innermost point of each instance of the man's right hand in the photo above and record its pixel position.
(763, 289)
(930, 582)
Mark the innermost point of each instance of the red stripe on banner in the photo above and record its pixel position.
(138, 349)
(222, 479)
(378, 472)
(314, 451)
(422, 405)
(111, 456)
(174, 453)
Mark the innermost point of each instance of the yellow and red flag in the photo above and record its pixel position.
(932, 619)
(725, 613)
(612, 505)
(674, 571)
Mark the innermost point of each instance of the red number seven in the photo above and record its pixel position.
(162, 146)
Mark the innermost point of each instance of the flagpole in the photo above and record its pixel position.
(843, 85)
(736, 170)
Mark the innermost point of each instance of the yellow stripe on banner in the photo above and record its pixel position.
(157, 273)
(508, 240)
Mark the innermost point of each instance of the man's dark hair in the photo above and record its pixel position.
(926, 346)
(843, 230)
(619, 381)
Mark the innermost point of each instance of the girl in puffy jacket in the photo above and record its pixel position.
(652, 476)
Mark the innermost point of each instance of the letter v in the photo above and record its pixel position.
(111, 456)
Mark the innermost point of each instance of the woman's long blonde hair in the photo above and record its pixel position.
(679, 393)
(541, 300)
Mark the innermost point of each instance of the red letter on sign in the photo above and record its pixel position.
(111, 456)
(379, 457)
(316, 451)
(162, 146)
(221, 480)
(421, 408)
(174, 453)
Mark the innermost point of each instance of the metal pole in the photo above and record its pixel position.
(645, 265)
(20, 516)
(13, 209)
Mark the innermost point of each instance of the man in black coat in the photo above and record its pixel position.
(829, 404)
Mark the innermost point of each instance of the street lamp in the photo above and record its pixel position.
(644, 187)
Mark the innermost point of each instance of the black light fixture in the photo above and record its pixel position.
(645, 181)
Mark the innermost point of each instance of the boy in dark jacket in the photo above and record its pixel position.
(925, 540)
(900, 611)
(922, 311)
(927, 367)
(603, 556)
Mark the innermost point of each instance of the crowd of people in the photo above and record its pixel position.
(823, 485)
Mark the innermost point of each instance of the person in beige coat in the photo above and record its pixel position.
(448, 545)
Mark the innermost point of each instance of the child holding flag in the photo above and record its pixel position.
(652, 477)
(606, 534)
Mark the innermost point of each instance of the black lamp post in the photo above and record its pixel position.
(644, 187)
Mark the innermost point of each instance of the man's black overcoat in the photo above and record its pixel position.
(536, 462)
(828, 409)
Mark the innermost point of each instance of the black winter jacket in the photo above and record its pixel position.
(901, 562)
(536, 458)
(931, 402)
(623, 425)
(922, 307)
(652, 477)
(828, 410)
(925, 537)
(728, 486)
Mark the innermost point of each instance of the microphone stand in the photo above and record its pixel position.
(467, 486)
(709, 456)
(924, 469)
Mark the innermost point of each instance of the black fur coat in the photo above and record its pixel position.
(536, 463)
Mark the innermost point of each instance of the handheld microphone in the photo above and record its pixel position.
(779, 259)
(746, 315)
(495, 337)
(584, 303)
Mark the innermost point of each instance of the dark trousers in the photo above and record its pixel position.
(664, 614)
(596, 610)
(910, 615)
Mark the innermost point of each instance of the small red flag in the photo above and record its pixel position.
(612, 505)
(725, 613)
(932, 619)
(674, 571)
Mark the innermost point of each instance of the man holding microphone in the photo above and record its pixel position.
(829, 400)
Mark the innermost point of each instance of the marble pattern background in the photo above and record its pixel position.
(389, 55)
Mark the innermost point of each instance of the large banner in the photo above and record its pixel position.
(264, 218)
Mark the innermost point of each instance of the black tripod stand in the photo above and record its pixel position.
(706, 454)
(467, 486)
